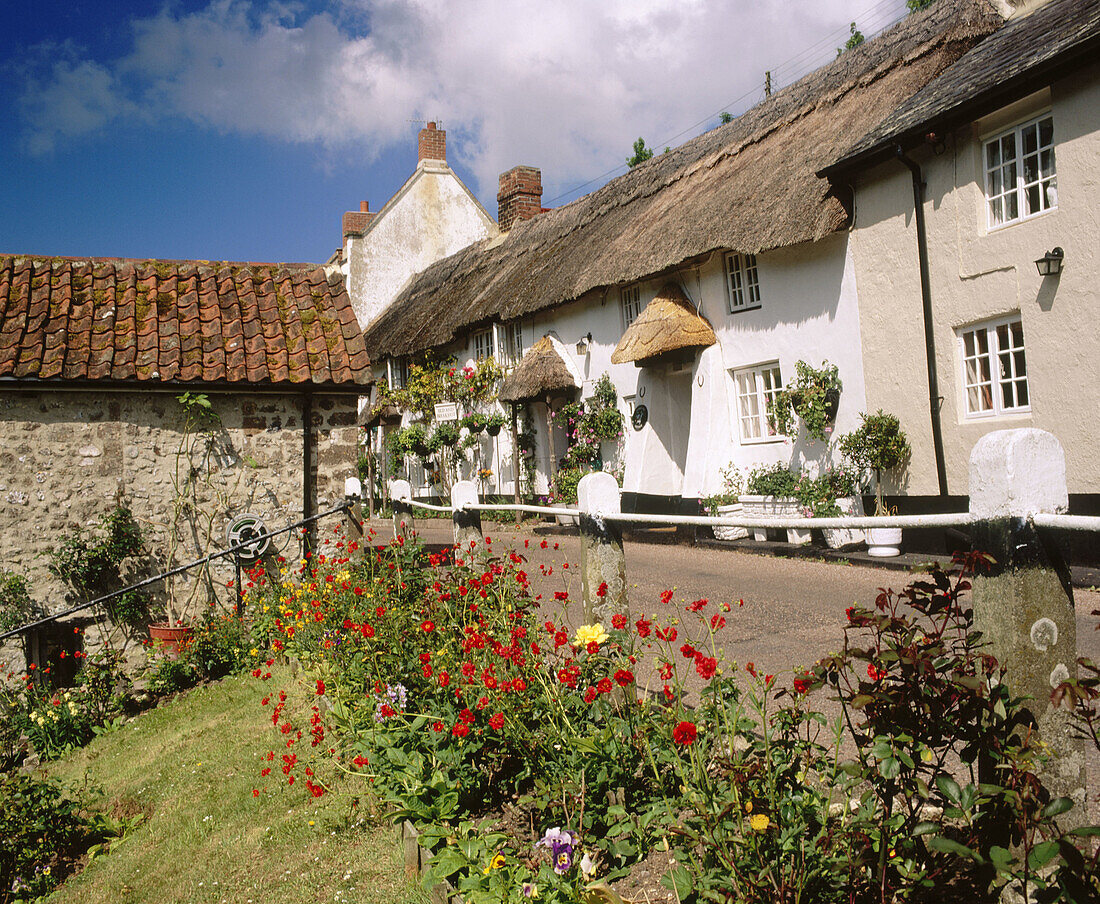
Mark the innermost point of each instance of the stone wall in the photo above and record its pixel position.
(67, 458)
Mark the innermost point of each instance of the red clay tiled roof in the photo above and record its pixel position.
(180, 321)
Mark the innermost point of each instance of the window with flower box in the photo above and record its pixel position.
(1020, 179)
(755, 390)
(742, 282)
(994, 368)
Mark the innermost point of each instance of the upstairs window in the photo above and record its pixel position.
(397, 372)
(483, 345)
(756, 388)
(509, 343)
(995, 368)
(1020, 180)
(632, 304)
(742, 282)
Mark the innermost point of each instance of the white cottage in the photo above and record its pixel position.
(732, 229)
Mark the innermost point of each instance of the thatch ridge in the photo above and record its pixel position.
(669, 323)
(749, 186)
(541, 371)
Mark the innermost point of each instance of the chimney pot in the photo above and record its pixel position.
(364, 206)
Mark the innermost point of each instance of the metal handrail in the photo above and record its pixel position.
(179, 569)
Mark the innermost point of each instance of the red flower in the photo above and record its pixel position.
(425, 658)
(666, 596)
(320, 687)
(750, 668)
(497, 722)
(444, 679)
(460, 730)
(643, 627)
(706, 666)
(623, 677)
(618, 621)
(687, 651)
(427, 626)
(601, 591)
(519, 685)
(802, 684)
(590, 695)
(696, 606)
(717, 621)
(467, 716)
(875, 674)
(684, 733)
(604, 686)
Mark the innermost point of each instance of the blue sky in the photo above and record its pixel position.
(235, 130)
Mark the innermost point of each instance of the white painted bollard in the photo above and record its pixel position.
(602, 557)
(353, 517)
(1023, 604)
(467, 522)
(400, 497)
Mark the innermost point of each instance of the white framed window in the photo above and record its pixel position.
(397, 372)
(755, 389)
(483, 344)
(994, 368)
(631, 298)
(508, 342)
(1020, 179)
(742, 282)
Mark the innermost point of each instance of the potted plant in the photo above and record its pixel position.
(414, 439)
(444, 435)
(770, 492)
(814, 396)
(830, 495)
(493, 423)
(727, 502)
(474, 422)
(878, 445)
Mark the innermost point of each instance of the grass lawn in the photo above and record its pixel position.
(191, 765)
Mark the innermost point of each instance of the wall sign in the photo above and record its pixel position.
(639, 417)
(446, 411)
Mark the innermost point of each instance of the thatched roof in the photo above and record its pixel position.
(541, 371)
(668, 323)
(1028, 52)
(748, 186)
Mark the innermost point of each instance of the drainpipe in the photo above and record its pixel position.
(934, 397)
(307, 469)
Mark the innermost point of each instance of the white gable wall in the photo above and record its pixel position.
(433, 215)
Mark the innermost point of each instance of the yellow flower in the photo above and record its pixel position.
(748, 806)
(496, 863)
(759, 822)
(587, 634)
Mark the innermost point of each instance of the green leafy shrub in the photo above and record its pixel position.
(775, 480)
(16, 606)
(813, 396)
(732, 484)
(878, 444)
(218, 646)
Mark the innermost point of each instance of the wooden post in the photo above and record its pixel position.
(602, 558)
(517, 461)
(467, 524)
(400, 497)
(353, 517)
(1023, 605)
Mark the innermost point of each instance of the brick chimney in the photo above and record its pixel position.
(355, 222)
(432, 144)
(520, 195)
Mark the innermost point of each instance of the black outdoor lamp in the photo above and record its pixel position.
(1050, 264)
(583, 343)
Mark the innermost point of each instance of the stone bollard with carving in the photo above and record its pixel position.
(602, 557)
(467, 522)
(400, 497)
(1024, 604)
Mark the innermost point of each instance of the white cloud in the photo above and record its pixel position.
(566, 85)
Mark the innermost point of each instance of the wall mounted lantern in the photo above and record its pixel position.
(583, 343)
(1050, 264)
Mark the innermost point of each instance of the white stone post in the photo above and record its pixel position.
(400, 497)
(467, 522)
(602, 557)
(1023, 604)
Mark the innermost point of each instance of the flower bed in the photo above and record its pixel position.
(520, 745)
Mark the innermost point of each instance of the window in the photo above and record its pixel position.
(483, 345)
(756, 388)
(742, 282)
(1020, 180)
(994, 368)
(509, 343)
(397, 372)
(632, 304)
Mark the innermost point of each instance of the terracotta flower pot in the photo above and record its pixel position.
(170, 637)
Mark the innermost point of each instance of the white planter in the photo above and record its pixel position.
(568, 520)
(883, 542)
(774, 507)
(726, 531)
(837, 537)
